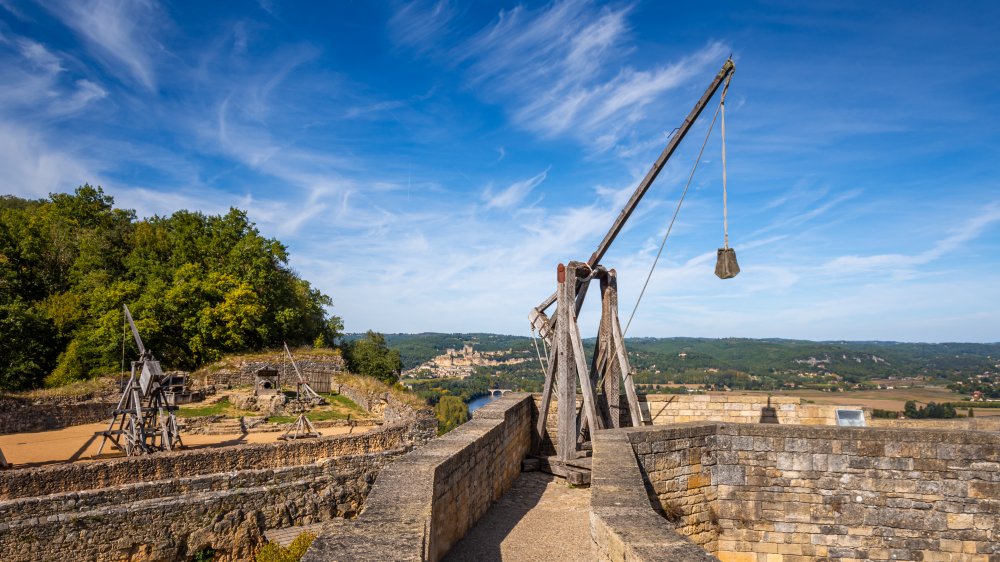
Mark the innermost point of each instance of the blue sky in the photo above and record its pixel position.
(430, 163)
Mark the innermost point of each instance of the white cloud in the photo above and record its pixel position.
(120, 33)
(515, 193)
(29, 167)
(560, 72)
(897, 263)
(419, 24)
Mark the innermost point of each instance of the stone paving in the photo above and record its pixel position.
(539, 518)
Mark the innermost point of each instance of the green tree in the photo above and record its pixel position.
(372, 357)
(451, 412)
(27, 346)
(199, 286)
(910, 410)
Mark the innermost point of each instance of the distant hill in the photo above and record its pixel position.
(778, 359)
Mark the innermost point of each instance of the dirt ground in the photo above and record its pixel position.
(45, 447)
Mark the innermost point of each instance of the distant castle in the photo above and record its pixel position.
(462, 363)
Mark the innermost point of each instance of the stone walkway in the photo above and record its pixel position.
(539, 518)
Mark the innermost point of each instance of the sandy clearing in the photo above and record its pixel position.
(59, 445)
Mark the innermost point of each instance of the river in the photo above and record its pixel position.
(477, 403)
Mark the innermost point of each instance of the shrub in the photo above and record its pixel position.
(272, 552)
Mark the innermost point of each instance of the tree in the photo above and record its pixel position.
(910, 410)
(198, 286)
(371, 356)
(451, 412)
(28, 350)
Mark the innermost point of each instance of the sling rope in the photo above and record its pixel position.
(677, 210)
(537, 352)
(124, 337)
(725, 209)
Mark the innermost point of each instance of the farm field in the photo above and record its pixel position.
(883, 399)
(47, 447)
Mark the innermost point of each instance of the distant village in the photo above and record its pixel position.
(461, 363)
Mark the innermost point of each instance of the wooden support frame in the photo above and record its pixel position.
(144, 415)
(302, 389)
(600, 384)
(302, 428)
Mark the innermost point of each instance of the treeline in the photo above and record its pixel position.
(771, 361)
(199, 286)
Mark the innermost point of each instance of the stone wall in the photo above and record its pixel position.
(623, 525)
(241, 372)
(425, 502)
(174, 519)
(667, 409)
(168, 506)
(68, 478)
(21, 415)
(983, 423)
(872, 494)
(782, 493)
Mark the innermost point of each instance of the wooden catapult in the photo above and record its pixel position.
(302, 388)
(609, 370)
(144, 420)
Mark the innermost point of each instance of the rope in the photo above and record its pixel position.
(537, 352)
(725, 208)
(124, 337)
(679, 203)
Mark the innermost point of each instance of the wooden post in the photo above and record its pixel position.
(633, 399)
(566, 397)
(579, 355)
(543, 408)
(611, 386)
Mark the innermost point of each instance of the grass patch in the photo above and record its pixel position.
(338, 407)
(217, 409)
(222, 407)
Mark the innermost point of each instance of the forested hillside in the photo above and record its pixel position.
(743, 363)
(198, 286)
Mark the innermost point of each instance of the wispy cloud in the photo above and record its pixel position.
(561, 70)
(514, 193)
(897, 263)
(420, 24)
(122, 34)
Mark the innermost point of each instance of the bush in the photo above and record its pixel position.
(371, 356)
(451, 412)
(272, 552)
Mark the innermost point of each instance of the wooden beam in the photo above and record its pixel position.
(543, 408)
(727, 69)
(633, 398)
(566, 393)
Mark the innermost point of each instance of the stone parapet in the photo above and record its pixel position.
(984, 423)
(427, 500)
(668, 409)
(786, 493)
(623, 523)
